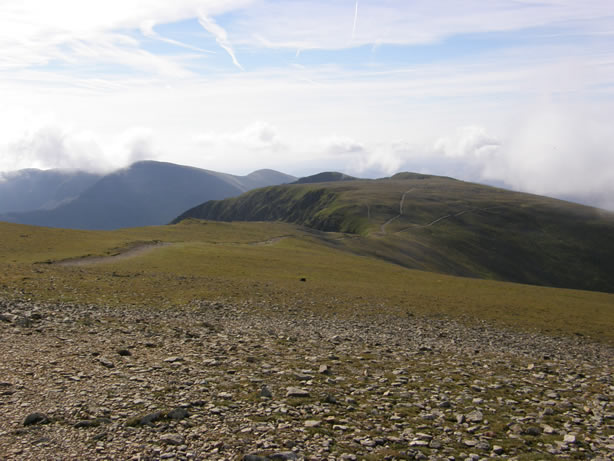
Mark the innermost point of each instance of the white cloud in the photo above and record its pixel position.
(381, 161)
(341, 146)
(467, 142)
(356, 158)
(257, 145)
(257, 136)
(50, 146)
(557, 150)
(328, 25)
(35, 33)
(133, 145)
(551, 150)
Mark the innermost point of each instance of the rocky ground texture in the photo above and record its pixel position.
(225, 381)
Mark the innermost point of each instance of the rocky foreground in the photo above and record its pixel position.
(223, 381)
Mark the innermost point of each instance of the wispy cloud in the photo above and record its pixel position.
(355, 21)
(320, 24)
(221, 37)
(40, 33)
(147, 28)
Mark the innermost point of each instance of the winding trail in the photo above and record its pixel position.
(139, 250)
(383, 226)
(270, 241)
(441, 218)
(132, 252)
(473, 210)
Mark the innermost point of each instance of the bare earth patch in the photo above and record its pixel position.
(132, 252)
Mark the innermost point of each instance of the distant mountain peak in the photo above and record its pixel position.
(147, 192)
(326, 176)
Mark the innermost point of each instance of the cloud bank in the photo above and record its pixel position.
(52, 146)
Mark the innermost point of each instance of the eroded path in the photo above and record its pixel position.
(435, 221)
(402, 201)
(144, 248)
(452, 215)
(132, 252)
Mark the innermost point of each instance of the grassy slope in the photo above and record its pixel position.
(486, 232)
(240, 262)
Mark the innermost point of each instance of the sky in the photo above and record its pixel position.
(518, 93)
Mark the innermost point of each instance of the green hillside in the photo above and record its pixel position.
(444, 225)
(263, 264)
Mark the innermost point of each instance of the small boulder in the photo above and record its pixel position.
(106, 363)
(497, 450)
(569, 438)
(146, 420)
(266, 392)
(330, 399)
(178, 413)
(296, 392)
(92, 422)
(172, 439)
(533, 431)
(284, 456)
(35, 418)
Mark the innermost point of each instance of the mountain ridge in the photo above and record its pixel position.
(444, 225)
(32, 189)
(144, 193)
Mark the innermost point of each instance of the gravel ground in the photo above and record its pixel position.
(217, 380)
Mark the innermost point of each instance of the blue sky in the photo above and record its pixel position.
(514, 92)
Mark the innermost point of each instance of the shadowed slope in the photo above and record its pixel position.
(32, 189)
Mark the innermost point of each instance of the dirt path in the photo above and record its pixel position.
(144, 248)
(270, 241)
(441, 218)
(402, 201)
(474, 210)
(129, 253)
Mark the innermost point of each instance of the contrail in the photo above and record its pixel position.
(355, 19)
(220, 37)
(147, 30)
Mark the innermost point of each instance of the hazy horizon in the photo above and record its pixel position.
(509, 92)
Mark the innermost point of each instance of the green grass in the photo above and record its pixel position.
(239, 262)
(485, 232)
